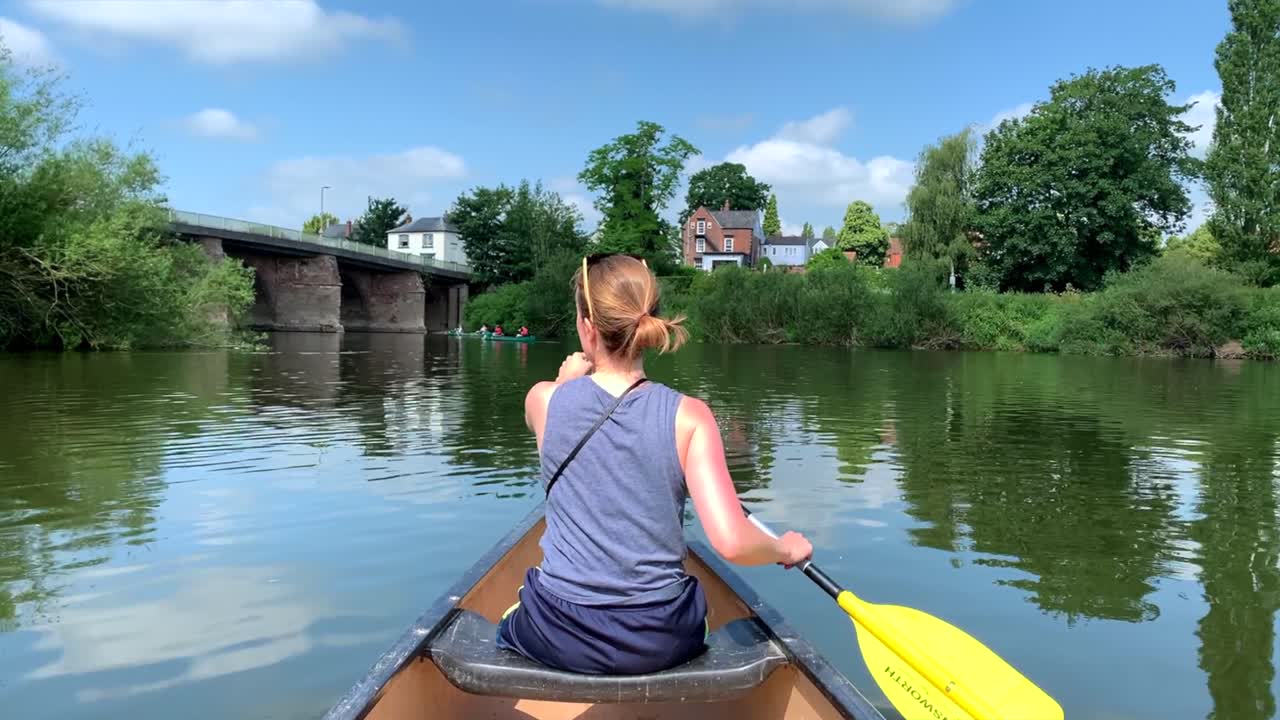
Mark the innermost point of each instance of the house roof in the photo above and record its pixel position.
(336, 230)
(426, 224)
(788, 240)
(736, 219)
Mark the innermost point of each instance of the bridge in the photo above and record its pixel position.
(310, 283)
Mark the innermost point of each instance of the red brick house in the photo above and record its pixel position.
(722, 237)
(893, 258)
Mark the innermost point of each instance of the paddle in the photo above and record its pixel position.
(929, 669)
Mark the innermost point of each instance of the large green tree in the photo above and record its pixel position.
(635, 176)
(85, 256)
(510, 233)
(828, 233)
(863, 234)
(1243, 164)
(940, 206)
(379, 217)
(772, 225)
(318, 222)
(726, 182)
(1201, 245)
(807, 231)
(1080, 186)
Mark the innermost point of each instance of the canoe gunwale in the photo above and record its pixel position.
(360, 700)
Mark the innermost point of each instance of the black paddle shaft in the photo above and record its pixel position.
(823, 580)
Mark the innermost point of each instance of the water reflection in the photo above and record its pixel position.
(172, 524)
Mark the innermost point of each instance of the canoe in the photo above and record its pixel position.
(511, 338)
(446, 665)
(477, 335)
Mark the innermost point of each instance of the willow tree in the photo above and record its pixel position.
(940, 206)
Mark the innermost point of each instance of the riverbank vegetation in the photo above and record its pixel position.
(1056, 231)
(1174, 305)
(85, 260)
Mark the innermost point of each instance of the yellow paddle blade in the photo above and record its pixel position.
(979, 685)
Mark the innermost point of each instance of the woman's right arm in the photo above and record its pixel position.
(716, 501)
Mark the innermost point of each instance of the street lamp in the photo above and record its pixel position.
(322, 189)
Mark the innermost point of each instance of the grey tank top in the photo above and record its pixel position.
(615, 532)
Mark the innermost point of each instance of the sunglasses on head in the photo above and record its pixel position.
(593, 259)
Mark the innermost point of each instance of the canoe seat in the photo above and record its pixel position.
(739, 657)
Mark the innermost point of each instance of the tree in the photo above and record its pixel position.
(828, 233)
(831, 257)
(1243, 164)
(1079, 187)
(86, 259)
(378, 219)
(1201, 245)
(726, 182)
(807, 231)
(863, 234)
(772, 226)
(940, 206)
(510, 233)
(635, 177)
(318, 222)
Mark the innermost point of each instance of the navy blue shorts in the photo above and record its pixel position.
(605, 640)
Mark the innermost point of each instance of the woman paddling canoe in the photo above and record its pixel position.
(620, 454)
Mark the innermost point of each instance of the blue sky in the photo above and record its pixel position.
(250, 107)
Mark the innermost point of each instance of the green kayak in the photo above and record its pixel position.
(512, 338)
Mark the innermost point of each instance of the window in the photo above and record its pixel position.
(428, 241)
(404, 242)
(700, 245)
(728, 243)
(702, 227)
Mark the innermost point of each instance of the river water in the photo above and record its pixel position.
(225, 534)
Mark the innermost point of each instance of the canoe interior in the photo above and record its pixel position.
(420, 691)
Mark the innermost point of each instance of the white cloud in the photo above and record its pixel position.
(293, 186)
(823, 129)
(900, 11)
(28, 45)
(789, 228)
(221, 32)
(802, 164)
(219, 124)
(1202, 115)
(574, 193)
(1013, 113)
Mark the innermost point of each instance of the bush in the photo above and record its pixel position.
(735, 305)
(987, 320)
(919, 313)
(836, 306)
(1261, 336)
(1173, 305)
(504, 305)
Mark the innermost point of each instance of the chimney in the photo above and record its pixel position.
(348, 230)
(726, 206)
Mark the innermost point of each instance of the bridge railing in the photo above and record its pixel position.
(216, 222)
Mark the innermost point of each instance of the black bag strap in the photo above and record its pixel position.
(574, 452)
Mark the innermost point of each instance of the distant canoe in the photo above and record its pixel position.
(512, 338)
(447, 667)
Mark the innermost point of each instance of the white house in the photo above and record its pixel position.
(434, 237)
(788, 249)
